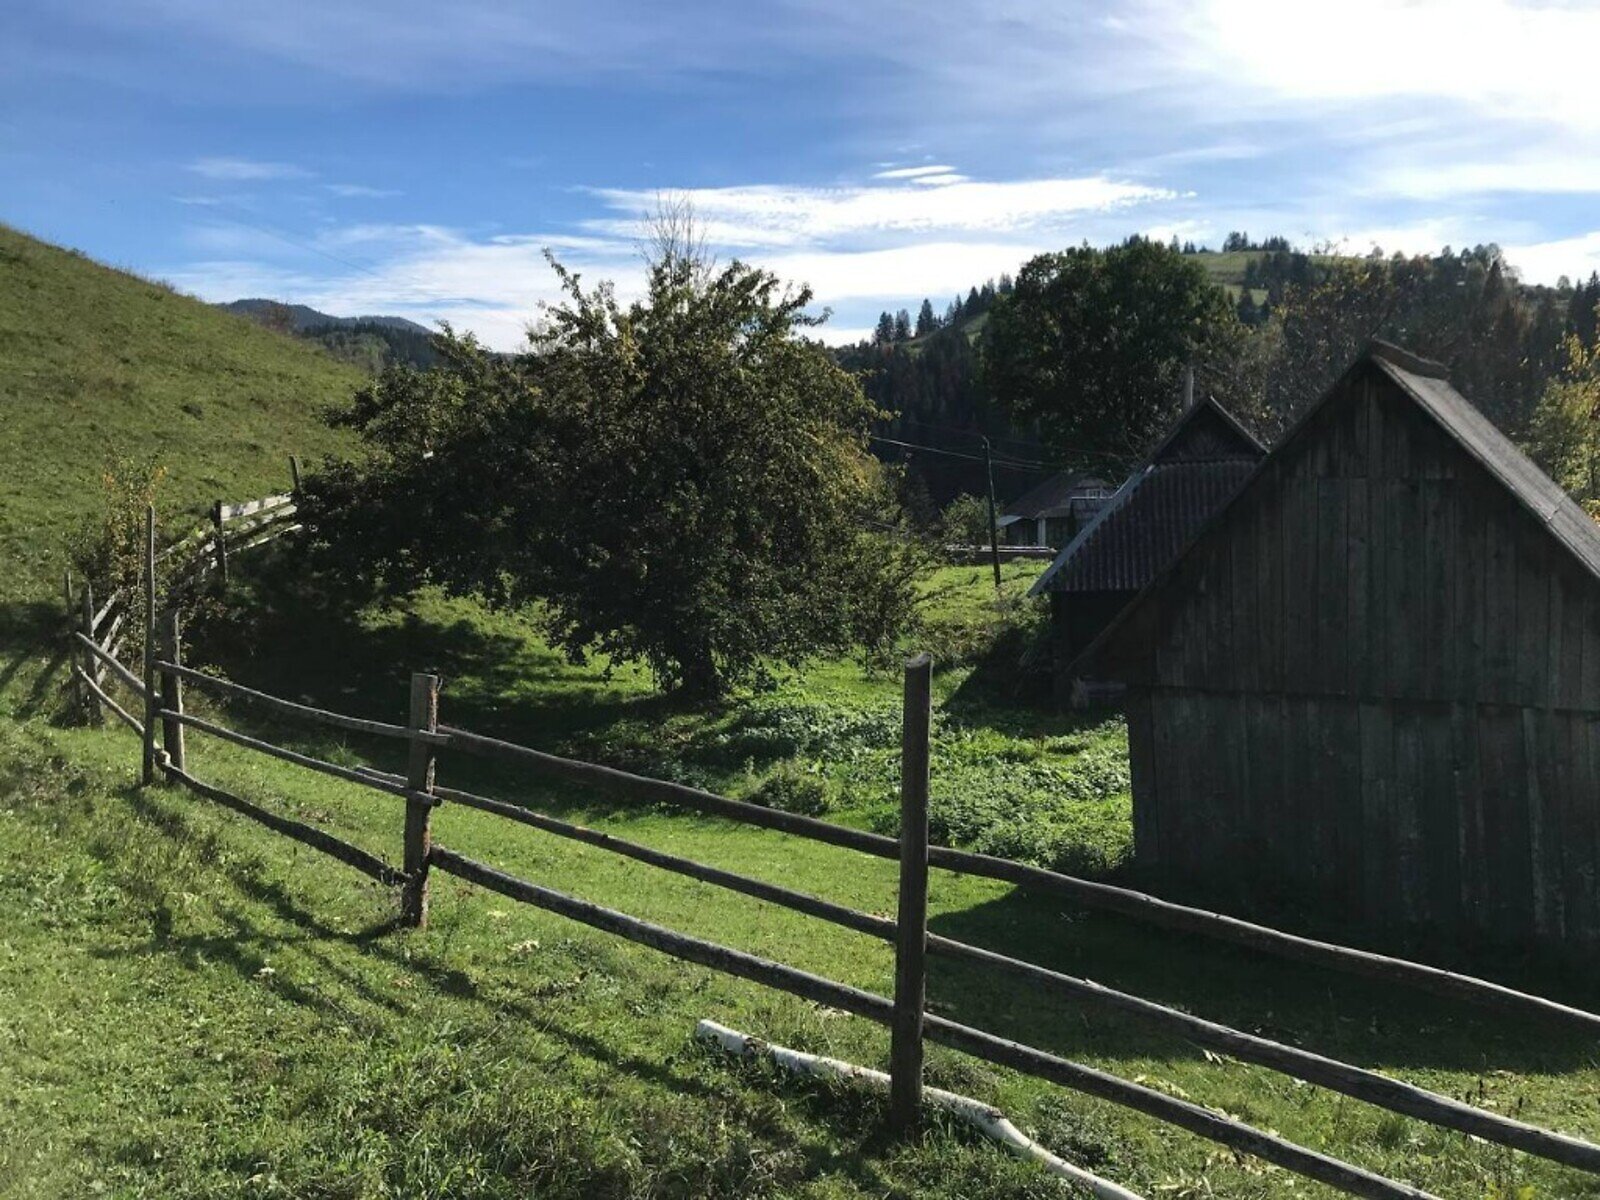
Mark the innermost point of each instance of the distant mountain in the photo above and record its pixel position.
(302, 317)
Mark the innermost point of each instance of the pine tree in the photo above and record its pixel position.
(884, 334)
(902, 326)
(926, 321)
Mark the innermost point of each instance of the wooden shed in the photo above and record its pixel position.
(1196, 467)
(1371, 684)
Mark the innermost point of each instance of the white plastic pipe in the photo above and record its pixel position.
(990, 1121)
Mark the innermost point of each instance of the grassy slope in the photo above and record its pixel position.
(93, 359)
(192, 1007)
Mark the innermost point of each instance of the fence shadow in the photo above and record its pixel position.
(1364, 1022)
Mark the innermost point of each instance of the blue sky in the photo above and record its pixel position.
(416, 158)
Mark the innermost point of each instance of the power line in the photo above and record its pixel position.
(978, 458)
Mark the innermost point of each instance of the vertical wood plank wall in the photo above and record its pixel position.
(1377, 689)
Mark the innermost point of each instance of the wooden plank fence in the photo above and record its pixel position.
(160, 693)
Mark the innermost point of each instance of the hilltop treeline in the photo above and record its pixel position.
(1295, 318)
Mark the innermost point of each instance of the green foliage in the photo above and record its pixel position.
(680, 482)
(794, 788)
(1564, 435)
(965, 521)
(1091, 344)
(107, 549)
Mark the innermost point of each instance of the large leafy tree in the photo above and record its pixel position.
(1090, 346)
(679, 481)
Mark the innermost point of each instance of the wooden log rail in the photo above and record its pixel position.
(1368, 1086)
(232, 512)
(133, 682)
(349, 774)
(1088, 893)
(306, 835)
(1346, 1177)
(303, 711)
(100, 694)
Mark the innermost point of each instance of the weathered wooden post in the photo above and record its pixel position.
(91, 665)
(222, 545)
(151, 684)
(79, 692)
(294, 472)
(419, 805)
(172, 691)
(911, 921)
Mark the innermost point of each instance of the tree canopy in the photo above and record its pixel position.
(679, 481)
(1090, 345)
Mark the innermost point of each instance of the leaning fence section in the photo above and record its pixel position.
(158, 707)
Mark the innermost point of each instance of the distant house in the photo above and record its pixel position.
(1193, 471)
(1052, 513)
(1372, 682)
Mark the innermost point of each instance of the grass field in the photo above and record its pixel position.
(192, 1007)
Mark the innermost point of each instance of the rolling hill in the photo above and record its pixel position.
(95, 360)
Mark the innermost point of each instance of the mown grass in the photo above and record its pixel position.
(94, 361)
(193, 1007)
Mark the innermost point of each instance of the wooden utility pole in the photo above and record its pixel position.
(911, 919)
(994, 521)
(419, 804)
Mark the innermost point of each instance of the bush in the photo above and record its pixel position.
(793, 789)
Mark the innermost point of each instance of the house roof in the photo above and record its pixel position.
(1195, 469)
(1054, 497)
(1427, 384)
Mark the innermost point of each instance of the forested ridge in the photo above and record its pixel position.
(946, 378)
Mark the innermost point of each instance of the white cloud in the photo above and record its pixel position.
(1496, 56)
(349, 191)
(912, 172)
(245, 169)
(1545, 262)
(942, 179)
(776, 215)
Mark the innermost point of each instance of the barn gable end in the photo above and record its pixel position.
(1373, 681)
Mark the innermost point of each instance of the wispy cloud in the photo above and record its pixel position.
(776, 215)
(236, 170)
(912, 172)
(355, 191)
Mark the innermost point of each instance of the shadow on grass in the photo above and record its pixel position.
(1369, 1023)
(33, 638)
(247, 945)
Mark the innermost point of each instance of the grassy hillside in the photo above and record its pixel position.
(192, 1007)
(94, 360)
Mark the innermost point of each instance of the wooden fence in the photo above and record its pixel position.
(161, 693)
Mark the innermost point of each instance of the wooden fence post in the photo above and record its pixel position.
(419, 807)
(222, 546)
(91, 665)
(911, 930)
(294, 473)
(151, 684)
(172, 691)
(80, 702)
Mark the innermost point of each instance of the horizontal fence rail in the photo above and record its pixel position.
(1355, 1082)
(307, 835)
(1088, 893)
(1269, 1147)
(306, 712)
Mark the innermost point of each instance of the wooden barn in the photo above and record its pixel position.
(1371, 684)
(1193, 471)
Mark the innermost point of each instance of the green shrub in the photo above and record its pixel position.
(791, 788)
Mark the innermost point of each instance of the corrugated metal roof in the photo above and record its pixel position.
(1195, 469)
